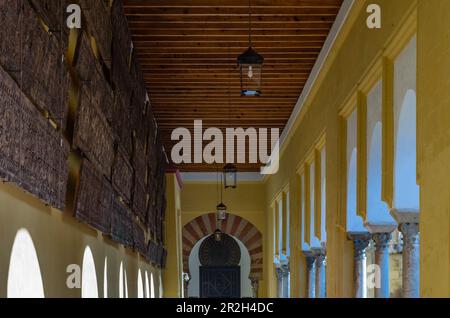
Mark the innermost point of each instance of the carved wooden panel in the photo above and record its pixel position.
(151, 252)
(92, 78)
(93, 136)
(32, 154)
(51, 12)
(139, 241)
(121, 123)
(84, 59)
(121, 37)
(99, 22)
(122, 175)
(11, 17)
(139, 162)
(121, 224)
(45, 78)
(94, 200)
(140, 200)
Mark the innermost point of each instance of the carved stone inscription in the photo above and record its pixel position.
(32, 154)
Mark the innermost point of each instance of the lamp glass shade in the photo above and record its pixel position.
(250, 66)
(230, 176)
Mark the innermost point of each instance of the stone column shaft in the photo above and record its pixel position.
(321, 276)
(360, 244)
(279, 283)
(382, 260)
(286, 276)
(311, 269)
(411, 260)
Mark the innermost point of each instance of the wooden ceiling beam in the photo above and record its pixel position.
(228, 3)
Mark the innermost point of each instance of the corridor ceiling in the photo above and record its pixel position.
(188, 49)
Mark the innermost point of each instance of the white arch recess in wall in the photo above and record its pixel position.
(355, 223)
(89, 287)
(105, 279)
(121, 279)
(194, 269)
(161, 289)
(147, 286)
(152, 286)
(24, 274)
(140, 285)
(406, 190)
(405, 184)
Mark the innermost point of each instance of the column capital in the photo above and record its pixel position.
(410, 233)
(360, 243)
(381, 240)
(310, 260)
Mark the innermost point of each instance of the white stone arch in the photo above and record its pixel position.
(152, 286)
(194, 264)
(377, 210)
(105, 279)
(140, 285)
(89, 287)
(121, 281)
(354, 221)
(24, 274)
(147, 286)
(406, 190)
(161, 289)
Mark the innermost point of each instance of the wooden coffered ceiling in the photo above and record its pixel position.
(188, 49)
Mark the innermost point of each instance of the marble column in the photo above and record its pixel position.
(360, 244)
(382, 261)
(311, 270)
(279, 272)
(186, 279)
(321, 275)
(411, 260)
(286, 277)
(255, 287)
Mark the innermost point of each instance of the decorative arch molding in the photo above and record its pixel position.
(234, 225)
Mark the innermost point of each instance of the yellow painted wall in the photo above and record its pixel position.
(60, 240)
(247, 201)
(172, 274)
(434, 145)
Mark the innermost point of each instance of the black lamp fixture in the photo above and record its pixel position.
(250, 65)
(230, 176)
(221, 209)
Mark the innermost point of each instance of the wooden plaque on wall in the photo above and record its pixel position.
(121, 224)
(11, 16)
(122, 175)
(94, 199)
(45, 78)
(93, 136)
(99, 22)
(32, 153)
